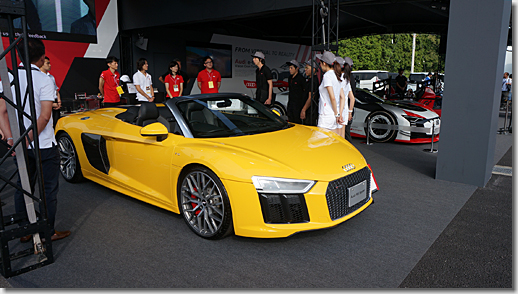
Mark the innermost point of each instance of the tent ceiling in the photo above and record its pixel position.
(291, 21)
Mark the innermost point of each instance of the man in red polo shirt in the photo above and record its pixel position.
(209, 79)
(109, 83)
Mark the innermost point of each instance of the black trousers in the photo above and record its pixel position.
(50, 168)
(111, 104)
(348, 131)
(294, 115)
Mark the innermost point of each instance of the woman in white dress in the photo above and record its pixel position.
(332, 97)
(347, 111)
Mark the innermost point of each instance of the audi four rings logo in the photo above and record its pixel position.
(348, 167)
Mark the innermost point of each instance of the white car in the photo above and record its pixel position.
(368, 77)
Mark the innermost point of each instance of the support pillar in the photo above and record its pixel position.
(475, 53)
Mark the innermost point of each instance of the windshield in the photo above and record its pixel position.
(417, 77)
(371, 75)
(227, 117)
(383, 75)
(366, 97)
(365, 76)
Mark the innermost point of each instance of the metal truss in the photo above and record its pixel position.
(15, 258)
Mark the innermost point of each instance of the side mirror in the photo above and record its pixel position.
(155, 129)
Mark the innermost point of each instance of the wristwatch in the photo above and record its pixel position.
(337, 115)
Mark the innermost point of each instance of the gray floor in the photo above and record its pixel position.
(119, 242)
(476, 247)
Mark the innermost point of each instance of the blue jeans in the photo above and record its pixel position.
(50, 169)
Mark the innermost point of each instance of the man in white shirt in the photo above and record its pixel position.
(506, 87)
(45, 68)
(142, 82)
(44, 96)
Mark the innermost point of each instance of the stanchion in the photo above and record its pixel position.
(505, 130)
(431, 150)
(368, 132)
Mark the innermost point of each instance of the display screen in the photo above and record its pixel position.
(220, 53)
(60, 20)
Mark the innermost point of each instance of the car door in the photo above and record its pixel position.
(142, 165)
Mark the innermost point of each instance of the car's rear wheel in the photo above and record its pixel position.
(68, 162)
(378, 134)
(204, 203)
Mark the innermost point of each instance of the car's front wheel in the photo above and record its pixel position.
(381, 134)
(204, 203)
(68, 162)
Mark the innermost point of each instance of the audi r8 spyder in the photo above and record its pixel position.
(400, 121)
(223, 161)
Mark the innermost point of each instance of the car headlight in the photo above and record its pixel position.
(282, 186)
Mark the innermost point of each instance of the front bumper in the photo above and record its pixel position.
(325, 205)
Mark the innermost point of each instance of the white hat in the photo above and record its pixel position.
(349, 61)
(258, 54)
(326, 57)
(294, 63)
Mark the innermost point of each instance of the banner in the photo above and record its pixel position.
(243, 68)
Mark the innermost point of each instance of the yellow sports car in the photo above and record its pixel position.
(224, 161)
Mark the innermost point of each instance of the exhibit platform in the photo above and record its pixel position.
(419, 233)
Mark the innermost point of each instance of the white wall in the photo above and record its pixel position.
(243, 69)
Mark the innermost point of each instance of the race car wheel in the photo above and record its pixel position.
(275, 74)
(204, 203)
(279, 107)
(68, 161)
(381, 135)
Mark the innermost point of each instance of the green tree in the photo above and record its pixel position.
(391, 52)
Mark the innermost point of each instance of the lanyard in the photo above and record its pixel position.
(115, 80)
(175, 79)
(210, 76)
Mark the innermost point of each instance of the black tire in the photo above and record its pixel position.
(68, 162)
(208, 215)
(279, 107)
(381, 135)
(275, 74)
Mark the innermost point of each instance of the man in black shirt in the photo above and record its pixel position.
(297, 86)
(349, 61)
(401, 83)
(352, 80)
(309, 113)
(263, 77)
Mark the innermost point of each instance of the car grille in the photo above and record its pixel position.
(337, 193)
(284, 208)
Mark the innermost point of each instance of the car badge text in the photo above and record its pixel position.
(348, 167)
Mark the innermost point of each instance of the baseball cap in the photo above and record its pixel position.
(326, 57)
(349, 61)
(293, 62)
(258, 54)
(340, 60)
(311, 64)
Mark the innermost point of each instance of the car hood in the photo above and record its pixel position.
(411, 106)
(299, 152)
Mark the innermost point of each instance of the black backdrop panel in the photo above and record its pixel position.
(83, 76)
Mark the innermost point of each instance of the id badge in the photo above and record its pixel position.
(148, 90)
(211, 84)
(175, 88)
(119, 90)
